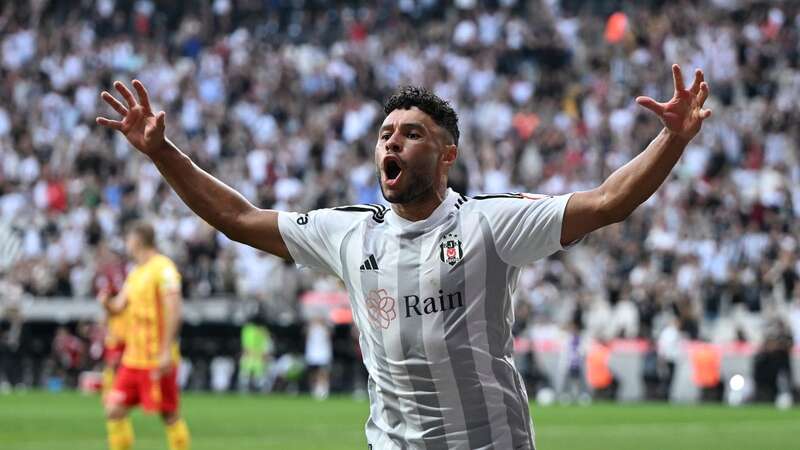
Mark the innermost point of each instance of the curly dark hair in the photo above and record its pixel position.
(440, 110)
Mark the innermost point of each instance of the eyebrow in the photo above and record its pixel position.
(417, 125)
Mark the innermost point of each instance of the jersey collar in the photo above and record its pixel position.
(439, 214)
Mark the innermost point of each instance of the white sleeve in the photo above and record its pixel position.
(527, 227)
(314, 239)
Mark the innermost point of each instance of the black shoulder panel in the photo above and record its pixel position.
(507, 195)
(378, 211)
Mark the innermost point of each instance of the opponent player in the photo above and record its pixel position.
(431, 279)
(113, 343)
(148, 373)
(109, 281)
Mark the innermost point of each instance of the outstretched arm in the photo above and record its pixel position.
(214, 201)
(632, 184)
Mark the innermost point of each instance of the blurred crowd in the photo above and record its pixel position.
(281, 99)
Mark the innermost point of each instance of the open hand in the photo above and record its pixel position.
(143, 129)
(684, 113)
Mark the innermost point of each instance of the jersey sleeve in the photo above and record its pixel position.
(527, 227)
(314, 238)
(169, 279)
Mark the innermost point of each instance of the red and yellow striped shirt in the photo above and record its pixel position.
(146, 286)
(116, 327)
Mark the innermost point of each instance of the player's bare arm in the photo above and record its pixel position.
(632, 184)
(214, 201)
(113, 304)
(173, 305)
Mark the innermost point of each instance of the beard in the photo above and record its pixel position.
(418, 184)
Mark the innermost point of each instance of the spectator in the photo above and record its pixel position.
(573, 387)
(69, 353)
(669, 347)
(12, 329)
(772, 360)
(319, 354)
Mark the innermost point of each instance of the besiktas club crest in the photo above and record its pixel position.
(450, 250)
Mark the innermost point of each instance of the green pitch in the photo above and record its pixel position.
(43, 421)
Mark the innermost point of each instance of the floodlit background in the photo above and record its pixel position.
(693, 299)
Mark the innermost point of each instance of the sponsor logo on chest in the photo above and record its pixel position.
(382, 307)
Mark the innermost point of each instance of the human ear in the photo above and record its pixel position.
(450, 154)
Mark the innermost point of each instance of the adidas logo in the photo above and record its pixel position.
(370, 264)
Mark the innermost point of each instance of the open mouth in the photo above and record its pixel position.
(392, 170)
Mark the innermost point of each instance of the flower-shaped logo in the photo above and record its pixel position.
(380, 308)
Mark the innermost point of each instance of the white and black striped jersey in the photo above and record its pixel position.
(432, 300)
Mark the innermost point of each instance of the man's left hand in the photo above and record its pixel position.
(164, 363)
(684, 113)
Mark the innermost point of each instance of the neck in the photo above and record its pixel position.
(142, 256)
(421, 208)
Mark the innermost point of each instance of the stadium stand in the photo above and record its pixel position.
(280, 99)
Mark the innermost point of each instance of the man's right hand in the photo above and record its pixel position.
(143, 129)
(113, 304)
(104, 296)
(212, 200)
